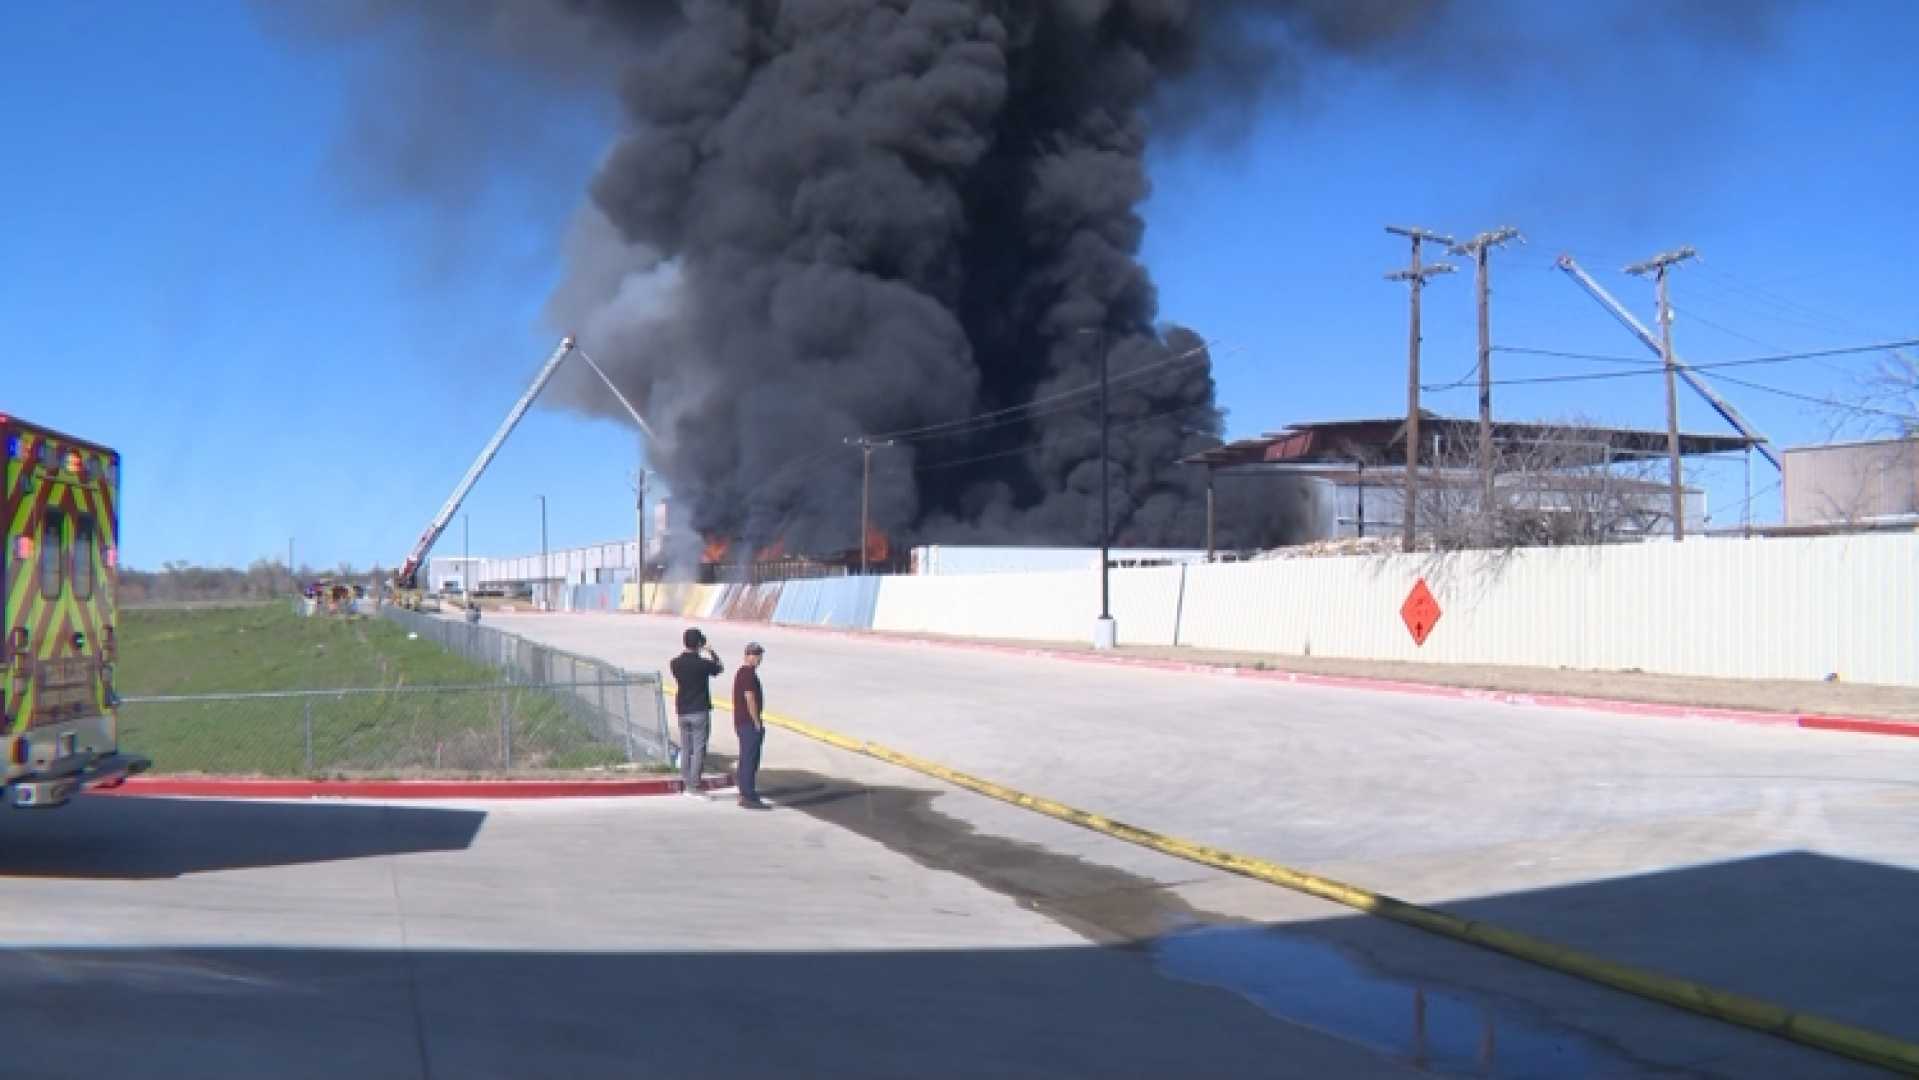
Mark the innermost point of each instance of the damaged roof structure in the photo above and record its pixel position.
(1336, 468)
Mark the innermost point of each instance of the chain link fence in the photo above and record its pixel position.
(627, 707)
(549, 710)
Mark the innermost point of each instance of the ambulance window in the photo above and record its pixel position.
(83, 558)
(52, 532)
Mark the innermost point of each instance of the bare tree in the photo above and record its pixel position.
(1895, 388)
(1564, 486)
(1884, 402)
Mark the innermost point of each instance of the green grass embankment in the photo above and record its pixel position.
(396, 731)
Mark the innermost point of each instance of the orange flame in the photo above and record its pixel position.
(877, 546)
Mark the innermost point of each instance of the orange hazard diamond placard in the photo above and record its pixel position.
(1420, 611)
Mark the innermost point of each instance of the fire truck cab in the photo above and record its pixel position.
(60, 509)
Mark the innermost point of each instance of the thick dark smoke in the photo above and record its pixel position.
(833, 218)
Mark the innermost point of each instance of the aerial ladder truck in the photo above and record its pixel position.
(406, 590)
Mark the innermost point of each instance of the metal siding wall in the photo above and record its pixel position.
(1788, 609)
(846, 603)
(1039, 607)
(1032, 607)
(961, 560)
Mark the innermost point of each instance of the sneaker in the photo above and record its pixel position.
(700, 795)
(753, 804)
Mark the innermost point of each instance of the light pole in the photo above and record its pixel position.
(546, 603)
(1105, 631)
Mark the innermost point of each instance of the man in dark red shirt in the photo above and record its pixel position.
(749, 723)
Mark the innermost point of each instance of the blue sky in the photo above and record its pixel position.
(279, 352)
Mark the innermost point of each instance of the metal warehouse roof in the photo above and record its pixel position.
(1382, 441)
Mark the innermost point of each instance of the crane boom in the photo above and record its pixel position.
(409, 570)
(1719, 404)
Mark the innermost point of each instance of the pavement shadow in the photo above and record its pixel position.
(1457, 1009)
(1836, 937)
(247, 1012)
(153, 837)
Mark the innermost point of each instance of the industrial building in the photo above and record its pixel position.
(1346, 478)
(1852, 484)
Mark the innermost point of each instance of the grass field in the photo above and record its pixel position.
(474, 723)
(267, 647)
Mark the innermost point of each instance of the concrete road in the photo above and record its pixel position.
(151, 937)
(871, 925)
(1777, 862)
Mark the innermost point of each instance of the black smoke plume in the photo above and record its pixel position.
(839, 218)
(835, 218)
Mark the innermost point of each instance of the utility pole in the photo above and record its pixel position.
(1414, 276)
(1209, 513)
(1657, 266)
(466, 558)
(867, 446)
(1105, 632)
(1480, 247)
(639, 520)
(546, 586)
(1105, 496)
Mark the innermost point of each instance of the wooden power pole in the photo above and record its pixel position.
(1415, 276)
(1657, 267)
(867, 446)
(1480, 247)
(639, 534)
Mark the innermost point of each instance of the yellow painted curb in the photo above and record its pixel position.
(1872, 1047)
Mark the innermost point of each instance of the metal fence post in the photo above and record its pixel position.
(659, 706)
(626, 713)
(307, 710)
(605, 718)
(506, 730)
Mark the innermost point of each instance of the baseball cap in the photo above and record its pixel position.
(754, 648)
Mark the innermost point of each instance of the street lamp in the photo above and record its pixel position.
(1105, 631)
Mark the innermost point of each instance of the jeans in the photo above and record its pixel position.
(752, 737)
(694, 728)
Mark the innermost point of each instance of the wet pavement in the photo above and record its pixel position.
(1442, 1030)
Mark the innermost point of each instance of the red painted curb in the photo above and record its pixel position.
(216, 787)
(1862, 725)
(1857, 724)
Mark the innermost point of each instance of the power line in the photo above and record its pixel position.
(1471, 372)
(1654, 367)
(1693, 314)
(1012, 413)
(1044, 443)
(1637, 361)
(1023, 413)
(1771, 302)
(1830, 402)
(1190, 356)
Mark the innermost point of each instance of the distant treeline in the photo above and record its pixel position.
(177, 582)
